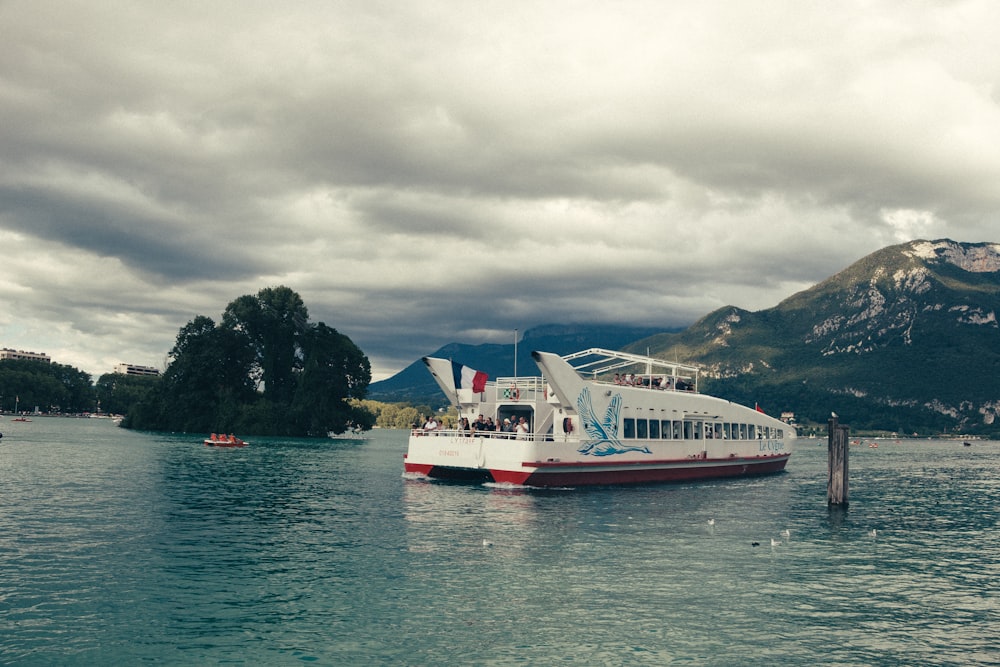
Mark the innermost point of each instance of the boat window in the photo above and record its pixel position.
(677, 430)
(641, 431)
(654, 429)
(717, 428)
(743, 431)
(781, 433)
(629, 427)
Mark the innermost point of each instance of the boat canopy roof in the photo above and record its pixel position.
(598, 361)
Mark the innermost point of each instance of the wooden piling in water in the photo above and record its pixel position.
(837, 454)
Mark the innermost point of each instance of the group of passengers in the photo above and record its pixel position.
(632, 380)
(516, 427)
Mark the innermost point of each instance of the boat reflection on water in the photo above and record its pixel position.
(471, 517)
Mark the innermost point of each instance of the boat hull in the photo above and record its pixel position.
(224, 443)
(606, 476)
(573, 431)
(545, 463)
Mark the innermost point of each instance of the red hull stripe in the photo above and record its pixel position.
(639, 475)
(420, 468)
(756, 460)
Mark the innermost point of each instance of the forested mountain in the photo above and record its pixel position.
(904, 340)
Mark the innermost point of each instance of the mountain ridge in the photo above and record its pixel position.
(886, 336)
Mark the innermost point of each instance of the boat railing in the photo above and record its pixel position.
(599, 363)
(527, 389)
(656, 382)
(491, 435)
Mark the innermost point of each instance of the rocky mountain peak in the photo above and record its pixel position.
(972, 257)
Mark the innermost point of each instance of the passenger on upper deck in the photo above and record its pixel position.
(480, 423)
(522, 429)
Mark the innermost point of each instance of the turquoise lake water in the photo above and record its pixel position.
(128, 548)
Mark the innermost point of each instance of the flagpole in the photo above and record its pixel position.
(515, 354)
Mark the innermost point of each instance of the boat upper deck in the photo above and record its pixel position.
(634, 370)
(606, 367)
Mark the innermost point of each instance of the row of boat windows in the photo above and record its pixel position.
(666, 429)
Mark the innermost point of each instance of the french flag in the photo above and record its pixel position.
(466, 377)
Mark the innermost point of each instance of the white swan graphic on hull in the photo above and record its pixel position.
(605, 432)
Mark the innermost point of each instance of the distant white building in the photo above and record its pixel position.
(7, 353)
(133, 369)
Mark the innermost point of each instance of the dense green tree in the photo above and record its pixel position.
(49, 386)
(263, 370)
(273, 321)
(333, 370)
(117, 393)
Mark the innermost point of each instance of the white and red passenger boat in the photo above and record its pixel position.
(595, 417)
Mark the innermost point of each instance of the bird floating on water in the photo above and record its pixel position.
(775, 542)
(873, 533)
(711, 522)
(487, 543)
(786, 533)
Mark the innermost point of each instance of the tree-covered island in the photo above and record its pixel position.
(264, 369)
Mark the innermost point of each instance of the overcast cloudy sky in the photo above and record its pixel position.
(428, 172)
